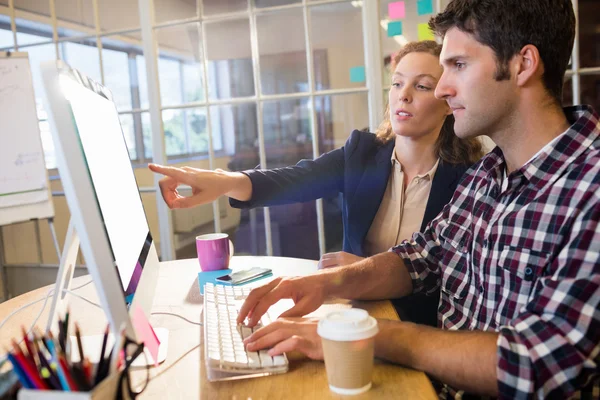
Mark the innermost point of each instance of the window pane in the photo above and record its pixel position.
(230, 59)
(338, 116)
(197, 131)
(117, 16)
(274, 3)
(117, 76)
(174, 129)
(282, 57)
(234, 128)
(82, 55)
(147, 135)
(6, 37)
(589, 33)
(129, 133)
(29, 32)
(140, 65)
(590, 90)
(186, 132)
(169, 10)
(339, 60)
(211, 7)
(180, 64)
(120, 57)
(288, 139)
(80, 13)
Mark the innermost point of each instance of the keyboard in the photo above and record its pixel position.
(223, 347)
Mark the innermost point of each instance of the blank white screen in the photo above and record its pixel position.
(109, 165)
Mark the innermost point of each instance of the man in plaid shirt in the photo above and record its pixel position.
(517, 251)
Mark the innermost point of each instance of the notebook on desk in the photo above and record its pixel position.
(224, 354)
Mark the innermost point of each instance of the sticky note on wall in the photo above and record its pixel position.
(394, 28)
(424, 7)
(357, 74)
(396, 10)
(425, 33)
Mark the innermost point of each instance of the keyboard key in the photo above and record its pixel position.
(265, 359)
(253, 359)
(246, 331)
(279, 361)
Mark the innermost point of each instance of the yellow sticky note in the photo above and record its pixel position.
(425, 33)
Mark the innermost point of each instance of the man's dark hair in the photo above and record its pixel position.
(506, 26)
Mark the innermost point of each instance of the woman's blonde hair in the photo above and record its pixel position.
(448, 147)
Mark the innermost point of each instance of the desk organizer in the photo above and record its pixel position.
(105, 390)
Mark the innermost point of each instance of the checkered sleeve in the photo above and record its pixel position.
(552, 348)
(421, 255)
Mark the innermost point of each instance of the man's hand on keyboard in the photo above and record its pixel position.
(307, 292)
(286, 335)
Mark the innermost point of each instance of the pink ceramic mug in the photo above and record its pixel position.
(214, 251)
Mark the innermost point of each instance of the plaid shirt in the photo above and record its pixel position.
(520, 255)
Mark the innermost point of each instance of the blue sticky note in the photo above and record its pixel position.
(394, 28)
(211, 277)
(357, 74)
(424, 7)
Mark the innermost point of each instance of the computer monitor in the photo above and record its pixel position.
(102, 193)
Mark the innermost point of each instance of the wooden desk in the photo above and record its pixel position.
(183, 374)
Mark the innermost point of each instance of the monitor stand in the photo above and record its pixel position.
(91, 343)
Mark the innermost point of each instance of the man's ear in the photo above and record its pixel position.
(528, 65)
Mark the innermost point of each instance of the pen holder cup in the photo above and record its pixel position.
(107, 389)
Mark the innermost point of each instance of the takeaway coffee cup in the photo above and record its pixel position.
(348, 338)
(214, 251)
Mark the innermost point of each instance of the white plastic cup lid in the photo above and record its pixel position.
(347, 325)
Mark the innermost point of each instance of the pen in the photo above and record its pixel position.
(28, 368)
(25, 382)
(45, 365)
(102, 361)
(61, 331)
(62, 362)
(79, 344)
(30, 354)
(55, 365)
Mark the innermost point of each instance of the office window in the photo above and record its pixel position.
(180, 66)
(214, 7)
(337, 116)
(117, 76)
(274, 3)
(6, 38)
(282, 57)
(337, 32)
(83, 55)
(229, 56)
(128, 126)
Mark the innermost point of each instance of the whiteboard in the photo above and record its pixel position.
(24, 188)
